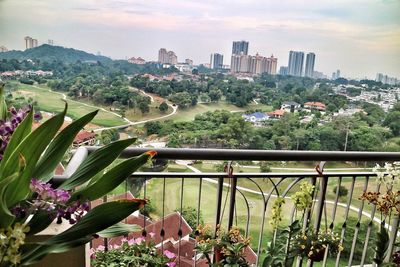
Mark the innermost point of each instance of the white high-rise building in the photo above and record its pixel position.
(30, 42)
(310, 61)
(296, 60)
(167, 57)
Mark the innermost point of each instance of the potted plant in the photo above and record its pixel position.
(228, 247)
(131, 253)
(29, 203)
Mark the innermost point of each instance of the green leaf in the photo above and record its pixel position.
(119, 229)
(3, 105)
(99, 218)
(22, 131)
(111, 179)
(31, 148)
(6, 217)
(382, 244)
(40, 221)
(57, 148)
(96, 162)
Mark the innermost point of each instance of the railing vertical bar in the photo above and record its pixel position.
(220, 189)
(180, 222)
(105, 239)
(369, 229)
(392, 236)
(162, 233)
(198, 218)
(345, 218)
(360, 210)
(248, 213)
(331, 226)
(144, 197)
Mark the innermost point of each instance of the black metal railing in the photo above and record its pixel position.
(245, 199)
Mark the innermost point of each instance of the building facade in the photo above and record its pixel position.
(3, 49)
(295, 66)
(310, 61)
(253, 64)
(217, 61)
(167, 57)
(30, 42)
(240, 47)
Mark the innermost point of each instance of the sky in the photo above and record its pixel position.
(359, 37)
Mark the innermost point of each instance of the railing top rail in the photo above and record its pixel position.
(267, 155)
(250, 174)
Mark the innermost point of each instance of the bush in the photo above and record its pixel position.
(26, 81)
(342, 191)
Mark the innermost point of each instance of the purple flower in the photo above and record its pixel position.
(169, 254)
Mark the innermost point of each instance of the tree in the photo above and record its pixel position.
(144, 107)
(392, 120)
(109, 135)
(163, 107)
(152, 127)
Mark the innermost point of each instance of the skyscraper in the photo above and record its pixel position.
(30, 42)
(3, 48)
(216, 61)
(310, 60)
(239, 47)
(295, 65)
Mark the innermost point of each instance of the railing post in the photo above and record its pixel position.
(220, 189)
(232, 201)
(320, 203)
(392, 237)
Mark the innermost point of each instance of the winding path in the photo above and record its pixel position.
(128, 122)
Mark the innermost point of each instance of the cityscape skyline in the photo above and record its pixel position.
(361, 39)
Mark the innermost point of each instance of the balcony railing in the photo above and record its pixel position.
(245, 199)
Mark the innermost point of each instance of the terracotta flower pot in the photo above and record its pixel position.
(317, 256)
(218, 254)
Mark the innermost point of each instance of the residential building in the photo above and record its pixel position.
(84, 138)
(309, 69)
(319, 75)
(253, 64)
(276, 114)
(3, 49)
(217, 61)
(314, 105)
(338, 74)
(138, 61)
(189, 62)
(283, 70)
(30, 42)
(256, 118)
(385, 79)
(240, 47)
(50, 42)
(290, 106)
(296, 60)
(167, 57)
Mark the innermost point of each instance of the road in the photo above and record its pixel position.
(244, 189)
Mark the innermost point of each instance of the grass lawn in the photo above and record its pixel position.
(52, 102)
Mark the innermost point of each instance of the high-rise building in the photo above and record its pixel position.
(338, 74)
(272, 63)
(253, 64)
(167, 57)
(295, 65)
(30, 42)
(3, 48)
(310, 61)
(240, 47)
(283, 70)
(189, 62)
(216, 61)
(50, 42)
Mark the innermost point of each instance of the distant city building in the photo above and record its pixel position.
(336, 75)
(216, 61)
(283, 70)
(310, 61)
(138, 61)
(385, 79)
(167, 57)
(240, 47)
(319, 75)
(189, 62)
(30, 42)
(3, 48)
(296, 60)
(50, 42)
(253, 64)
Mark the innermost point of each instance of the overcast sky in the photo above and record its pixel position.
(359, 37)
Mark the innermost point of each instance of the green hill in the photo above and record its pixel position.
(50, 53)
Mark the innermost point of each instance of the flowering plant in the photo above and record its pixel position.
(29, 203)
(313, 246)
(228, 247)
(132, 253)
(387, 203)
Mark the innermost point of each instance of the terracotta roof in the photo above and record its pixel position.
(278, 112)
(315, 104)
(83, 136)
